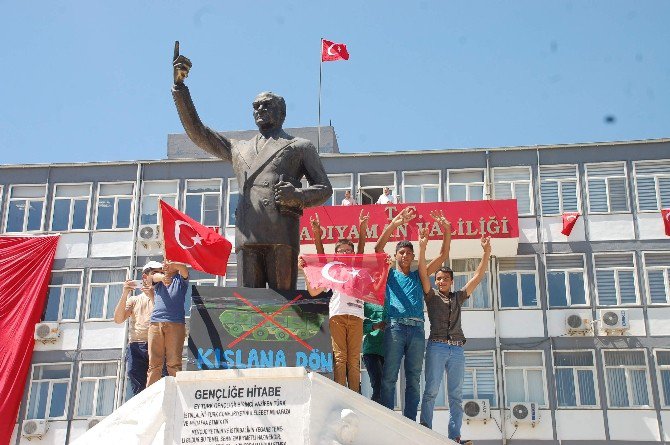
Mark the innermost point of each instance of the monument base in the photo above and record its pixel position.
(273, 406)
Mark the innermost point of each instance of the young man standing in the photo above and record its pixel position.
(138, 309)
(345, 313)
(168, 320)
(403, 308)
(446, 340)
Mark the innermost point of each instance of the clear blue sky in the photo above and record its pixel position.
(90, 80)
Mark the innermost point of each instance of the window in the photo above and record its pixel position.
(626, 376)
(559, 189)
(480, 377)
(466, 185)
(663, 368)
(464, 270)
(70, 207)
(514, 183)
(197, 278)
(115, 204)
(152, 191)
(517, 281)
(653, 185)
(25, 210)
(203, 201)
(371, 186)
(616, 283)
(49, 391)
(565, 280)
(233, 198)
(608, 191)
(657, 272)
(104, 292)
(575, 378)
(421, 186)
(524, 376)
(63, 297)
(97, 388)
(340, 184)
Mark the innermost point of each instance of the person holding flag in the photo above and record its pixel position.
(345, 311)
(403, 311)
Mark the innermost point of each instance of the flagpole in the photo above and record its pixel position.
(161, 227)
(318, 136)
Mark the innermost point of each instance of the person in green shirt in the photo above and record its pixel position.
(373, 347)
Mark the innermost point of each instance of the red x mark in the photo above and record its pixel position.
(269, 318)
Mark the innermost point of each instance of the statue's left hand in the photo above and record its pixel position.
(287, 195)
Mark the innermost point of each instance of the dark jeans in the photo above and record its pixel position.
(375, 365)
(137, 364)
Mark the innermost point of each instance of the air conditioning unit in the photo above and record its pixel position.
(577, 324)
(150, 236)
(34, 428)
(93, 421)
(525, 413)
(47, 332)
(476, 409)
(614, 321)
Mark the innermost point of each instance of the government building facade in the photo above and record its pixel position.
(568, 340)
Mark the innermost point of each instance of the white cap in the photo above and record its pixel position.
(152, 265)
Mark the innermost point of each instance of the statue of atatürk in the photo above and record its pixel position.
(269, 168)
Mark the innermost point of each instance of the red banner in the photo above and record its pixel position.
(25, 268)
(469, 220)
(569, 221)
(359, 276)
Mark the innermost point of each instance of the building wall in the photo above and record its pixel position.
(618, 242)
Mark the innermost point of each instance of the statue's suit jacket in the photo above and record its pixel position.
(259, 165)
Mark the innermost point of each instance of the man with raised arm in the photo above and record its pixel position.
(403, 312)
(269, 169)
(445, 343)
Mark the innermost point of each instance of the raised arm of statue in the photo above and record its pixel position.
(203, 136)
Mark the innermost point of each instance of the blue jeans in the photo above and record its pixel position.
(137, 364)
(375, 366)
(438, 357)
(408, 341)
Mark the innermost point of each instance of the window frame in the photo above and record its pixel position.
(650, 394)
(484, 183)
(474, 378)
(607, 188)
(575, 380)
(636, 175)
(48, 403)
(87, 225)
(616, 281)
(664, 404)
(560, 188)
(25, 214)
(394, 187)
(81, 379)
(185, 193)
(538, 296)
(525, 379)
(159, 196)
(60, 305)
(333, 198)
(116, 206)
(89, 291)
(466, 306)
(585, 276)
(228, 193)
(422, 187)
(666, 276)
(513, 190)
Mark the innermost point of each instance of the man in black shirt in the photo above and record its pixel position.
(444, 349)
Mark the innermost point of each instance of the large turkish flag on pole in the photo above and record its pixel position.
(359, 276)
(25, 268)
(187, 241)
(331, 51)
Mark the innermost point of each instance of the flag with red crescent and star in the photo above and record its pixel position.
(358, 276)
(187, 241)
(331, 51)
(569, 221)
(665, 213)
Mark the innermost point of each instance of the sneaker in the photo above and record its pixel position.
(463, 441)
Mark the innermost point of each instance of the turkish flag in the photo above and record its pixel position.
(187, 241)
(665, 213)
(331, 51)
(569, 221)
(25, 268)
(359, 276)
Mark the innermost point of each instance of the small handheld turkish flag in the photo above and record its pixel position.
(187, 241)
(569, 220)
(665, 213)
(331, 51)
(359, 276)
